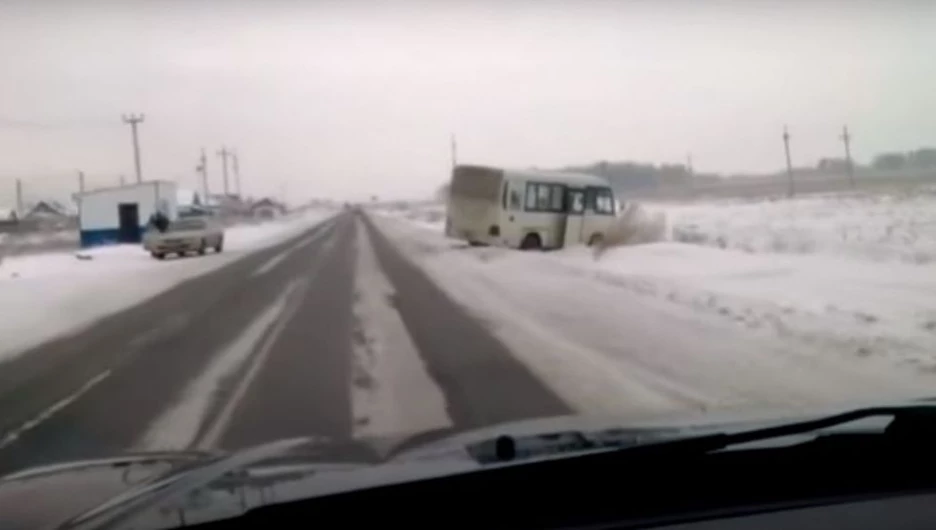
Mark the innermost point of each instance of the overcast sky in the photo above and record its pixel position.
(348, 98)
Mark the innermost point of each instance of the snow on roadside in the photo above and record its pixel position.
(46, 295)
(873, 227)
(675, 326)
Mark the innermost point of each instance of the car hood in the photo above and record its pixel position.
(152, 488)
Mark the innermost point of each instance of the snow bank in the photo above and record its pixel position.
(46, 295)
(673, 326)
(876, 227)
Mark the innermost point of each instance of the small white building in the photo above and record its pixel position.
(120, 214)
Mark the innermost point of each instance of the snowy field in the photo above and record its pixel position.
(877, 227)
(777, 303)
(46, 295)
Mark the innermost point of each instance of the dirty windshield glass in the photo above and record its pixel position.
(419, 218)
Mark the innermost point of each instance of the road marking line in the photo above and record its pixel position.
(296, 291)
(271, 263)
(15, 434)
(178, 428)
(391, 389)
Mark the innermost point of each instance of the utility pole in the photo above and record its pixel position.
(134, 121)
(19, 198)
(454, 152)
(81, 182)
(236, 173)
(850, 167)
(203, 170)
(224, 153)
(789, 164)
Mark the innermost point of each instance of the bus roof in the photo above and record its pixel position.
(557, 176)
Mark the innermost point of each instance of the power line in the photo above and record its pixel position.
(134, 121)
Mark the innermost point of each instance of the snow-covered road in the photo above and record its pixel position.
(671, 325)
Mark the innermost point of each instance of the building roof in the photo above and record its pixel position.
(49, 208)
(125, 186)
(266, 201)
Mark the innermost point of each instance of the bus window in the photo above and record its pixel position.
(516, 201)
(542, 197)
(576, 201)
(604, 201)
(556, 201)
(600, 200)
(545, 197)
(531, 197)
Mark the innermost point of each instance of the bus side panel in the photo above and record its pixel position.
(549, 226)
(511, 218)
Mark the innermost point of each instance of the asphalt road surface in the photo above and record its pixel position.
(264, 348)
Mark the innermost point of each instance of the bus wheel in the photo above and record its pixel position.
(531, 242)
(595, 240)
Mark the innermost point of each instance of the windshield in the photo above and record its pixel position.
(468, 215)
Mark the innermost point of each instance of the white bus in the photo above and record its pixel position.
(528, 209)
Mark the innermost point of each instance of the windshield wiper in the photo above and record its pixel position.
(911, 426)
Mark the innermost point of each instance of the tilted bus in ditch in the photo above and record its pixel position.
(528, 209)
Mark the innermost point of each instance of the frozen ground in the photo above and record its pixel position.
(670, 325)
(46, 295)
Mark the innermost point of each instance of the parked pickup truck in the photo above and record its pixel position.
(184, 235)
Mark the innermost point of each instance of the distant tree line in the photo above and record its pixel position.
(923, 158)
(641, 176)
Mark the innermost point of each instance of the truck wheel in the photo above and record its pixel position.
(159, 255)
(531, 242)
(220, 246)
(202, 247)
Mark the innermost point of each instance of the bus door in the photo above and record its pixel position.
(575, 218)
(599, 213)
